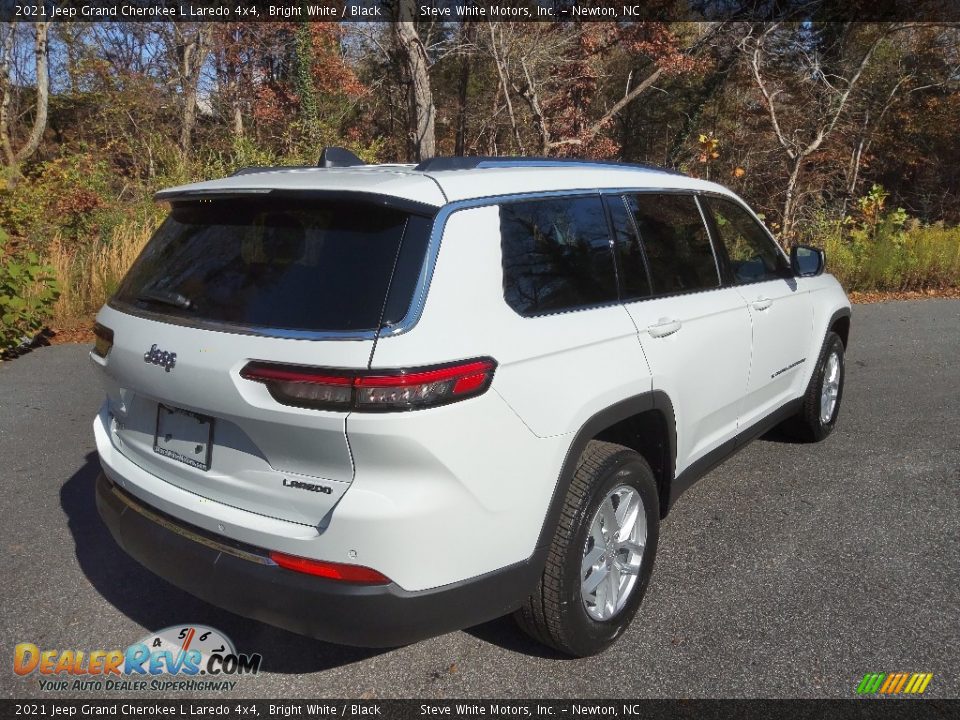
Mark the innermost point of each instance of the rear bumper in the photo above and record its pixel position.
(243, 580)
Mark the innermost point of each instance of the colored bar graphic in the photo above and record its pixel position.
(903, 680)
(894, 683)
(891, 680)
(870, 683)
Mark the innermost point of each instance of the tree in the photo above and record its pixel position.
(913, 66)
(232, 60)
(421, 111)
(303, 79)
(190, 47)
(562, 72)
(14, 157)
(466, 51)
(813, 92)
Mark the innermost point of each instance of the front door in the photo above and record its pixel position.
(780, 311)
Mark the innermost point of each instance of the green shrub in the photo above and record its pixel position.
(27, 293)
(880, 249)
(70, 196)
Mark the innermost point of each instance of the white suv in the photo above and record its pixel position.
(372, 404)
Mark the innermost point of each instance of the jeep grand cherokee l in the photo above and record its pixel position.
(372, 404)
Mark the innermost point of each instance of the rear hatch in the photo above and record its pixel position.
(230, 280)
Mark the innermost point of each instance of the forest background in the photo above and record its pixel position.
(842, 135)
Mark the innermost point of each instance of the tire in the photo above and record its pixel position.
(814, 422)
(558, 613)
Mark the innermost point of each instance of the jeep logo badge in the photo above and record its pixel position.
(164, 359)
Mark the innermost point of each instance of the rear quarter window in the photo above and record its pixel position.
(303, 264)
(556, 255)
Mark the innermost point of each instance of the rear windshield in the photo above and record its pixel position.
(307, 264)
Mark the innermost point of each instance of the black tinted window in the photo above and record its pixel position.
(751, 252)
(676, 242)
(286, 264)
(407, 270)
(634, 282)
(556, 255)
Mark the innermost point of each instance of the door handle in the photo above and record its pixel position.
(663, 327)
(762, 303)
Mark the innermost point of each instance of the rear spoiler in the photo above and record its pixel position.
(176, 195)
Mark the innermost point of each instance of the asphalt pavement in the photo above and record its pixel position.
(790, 571)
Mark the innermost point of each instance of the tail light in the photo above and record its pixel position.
(104, 340)
(373, 390)
(330, 570)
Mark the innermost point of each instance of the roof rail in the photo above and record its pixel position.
(480, 162)
(338, 157)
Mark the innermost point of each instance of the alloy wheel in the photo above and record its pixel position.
(612, 553)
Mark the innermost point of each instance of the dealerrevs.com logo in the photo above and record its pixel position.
(180, 657)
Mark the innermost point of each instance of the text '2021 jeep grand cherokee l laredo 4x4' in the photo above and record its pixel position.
(376, 403)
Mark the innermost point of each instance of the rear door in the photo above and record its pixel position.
(780, 311)
(694, 333)
(227, 282)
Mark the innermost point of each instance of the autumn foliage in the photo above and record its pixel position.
(803, 120)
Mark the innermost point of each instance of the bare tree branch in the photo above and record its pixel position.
(797, 151)
(499, 61)
(596, 127)
(767, 95)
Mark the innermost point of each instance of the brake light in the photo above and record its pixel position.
(104, 340)
(303, 387)
(330, 570)
(374, 390)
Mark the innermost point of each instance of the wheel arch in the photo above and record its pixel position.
(840, 324)
(644, 423)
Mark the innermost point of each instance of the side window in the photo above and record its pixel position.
(634, 281)
(556, 255)
(752, 254)
(676, 242)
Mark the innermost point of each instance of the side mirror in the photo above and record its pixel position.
(806, 261)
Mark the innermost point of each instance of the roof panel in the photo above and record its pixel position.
(493, 181)
(439, 187)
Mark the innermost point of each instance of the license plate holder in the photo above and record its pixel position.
(184, 436)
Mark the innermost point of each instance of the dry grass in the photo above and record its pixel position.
(88, 276)
(918, 258)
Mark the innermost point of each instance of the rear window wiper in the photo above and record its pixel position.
(165, 297)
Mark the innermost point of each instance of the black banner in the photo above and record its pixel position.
(479, 10)
(914, 708)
